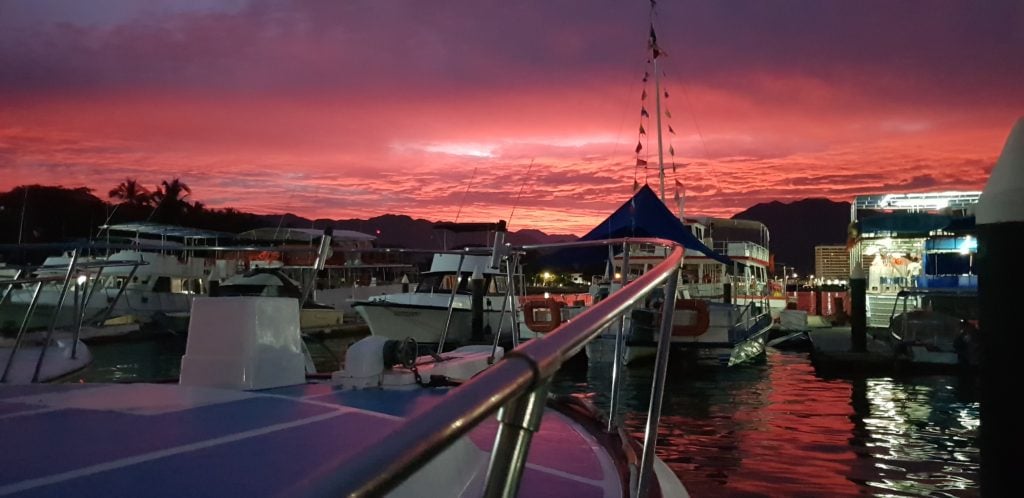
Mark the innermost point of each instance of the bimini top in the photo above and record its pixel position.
(303, 235)
(646, 216)
(169, 231)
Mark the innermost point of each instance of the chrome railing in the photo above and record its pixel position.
(516, 388)
(66, 283)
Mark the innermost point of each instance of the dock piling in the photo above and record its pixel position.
(1000, 221)
(859, 311)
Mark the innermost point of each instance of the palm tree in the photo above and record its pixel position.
(130, 191)
(170, 200)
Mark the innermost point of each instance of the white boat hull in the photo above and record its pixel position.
(57, 362)
(425, 324)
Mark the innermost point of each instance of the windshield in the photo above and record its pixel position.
(442, 283)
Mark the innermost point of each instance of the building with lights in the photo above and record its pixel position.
(913, 241)
(832, 263)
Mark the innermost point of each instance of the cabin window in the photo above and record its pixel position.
(497, 284)
(443, 283)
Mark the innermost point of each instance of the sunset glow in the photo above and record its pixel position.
(360, 108)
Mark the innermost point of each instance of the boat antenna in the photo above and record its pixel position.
(521, 187)
(24, 206)
(464, 194)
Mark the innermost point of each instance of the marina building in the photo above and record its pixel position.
(912, 242)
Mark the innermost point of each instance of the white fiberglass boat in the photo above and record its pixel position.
(390, 423)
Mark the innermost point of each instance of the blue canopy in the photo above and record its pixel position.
(646, 216)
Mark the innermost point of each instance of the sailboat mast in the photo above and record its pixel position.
(657, 110)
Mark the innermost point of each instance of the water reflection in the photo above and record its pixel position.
(775, 429)
(779, 429)
(925, 435)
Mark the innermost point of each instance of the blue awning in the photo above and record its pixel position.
(644, 215)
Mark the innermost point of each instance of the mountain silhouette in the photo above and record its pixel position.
(797, 227)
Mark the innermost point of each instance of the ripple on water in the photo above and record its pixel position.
(778, 429)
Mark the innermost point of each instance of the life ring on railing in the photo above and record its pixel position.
(697, 324)
(542, 326)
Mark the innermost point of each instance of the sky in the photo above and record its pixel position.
(479, 110)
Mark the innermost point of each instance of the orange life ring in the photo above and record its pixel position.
(698, 325)
(542, 326)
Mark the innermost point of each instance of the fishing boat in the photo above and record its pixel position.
(724, 306)
(244, 420)
(171, 268)
(726, 332)
(442, 304)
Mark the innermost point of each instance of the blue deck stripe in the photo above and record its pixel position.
(277, 464)
(68, 439)
(393, 402)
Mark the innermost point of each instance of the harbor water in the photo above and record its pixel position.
(774, 428)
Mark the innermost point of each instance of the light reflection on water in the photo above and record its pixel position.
(780, 430)
(774, 429)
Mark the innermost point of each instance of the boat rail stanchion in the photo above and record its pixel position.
(519, 419)
(658, 386)
(451, 304)
(105, 314)
(617, 357)
(80, 312)
(21, 330)
(322, 253)
(513, 264)
(501, 322)
(86, 299)
(10, 287)
(56, 314)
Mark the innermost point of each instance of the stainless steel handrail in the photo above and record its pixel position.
(72, 267)
(514, 383)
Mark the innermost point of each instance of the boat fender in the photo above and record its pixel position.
(542, 326)
(698, 324)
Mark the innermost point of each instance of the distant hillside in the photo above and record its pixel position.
(42, 214)
(394, 230)
(797, 227)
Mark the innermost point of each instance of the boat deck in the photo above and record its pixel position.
(168, 440)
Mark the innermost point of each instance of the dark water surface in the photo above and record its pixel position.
(772, 429)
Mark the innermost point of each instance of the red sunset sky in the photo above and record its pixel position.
(362, 107)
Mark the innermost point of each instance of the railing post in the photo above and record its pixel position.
(513, 264)
(617, 359)
(56, 314)
(21, 330)
(501, 321)
(658, 386)
(451, 304)
(86, 299)
(10, 287)
(520, 418)
(105, 314)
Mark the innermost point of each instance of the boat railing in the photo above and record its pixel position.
(516, 388)
(73, 267)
